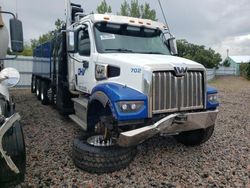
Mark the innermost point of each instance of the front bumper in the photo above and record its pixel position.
(9, 122)
(172, 124)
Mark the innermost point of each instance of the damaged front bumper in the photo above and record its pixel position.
(172, 124)
(9, 122)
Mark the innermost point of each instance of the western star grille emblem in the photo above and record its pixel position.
(180, 71)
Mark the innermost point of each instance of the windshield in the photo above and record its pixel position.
(117, 38)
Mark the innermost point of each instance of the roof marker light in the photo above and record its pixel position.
(140, 22)
(106, 18)
(132, 21)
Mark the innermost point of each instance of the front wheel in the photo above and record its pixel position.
(91, 154)
(13, 144)
(195, 137)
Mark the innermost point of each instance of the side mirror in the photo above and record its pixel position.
(9, 77)
(71, 42)
(16, 35)
(173, 45)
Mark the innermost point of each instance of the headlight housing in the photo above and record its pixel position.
(130, 106)
(213, 98)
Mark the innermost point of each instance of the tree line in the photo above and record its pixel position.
(199, 53)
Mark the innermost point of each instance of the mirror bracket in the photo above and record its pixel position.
(6, 12)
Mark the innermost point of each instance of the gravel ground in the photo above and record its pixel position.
(223, 161)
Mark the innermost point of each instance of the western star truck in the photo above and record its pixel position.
(118, 78)
(12, 147)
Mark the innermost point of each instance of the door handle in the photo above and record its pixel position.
(85, 64)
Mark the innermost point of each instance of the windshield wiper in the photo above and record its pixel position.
(120, 50)
(152, 53)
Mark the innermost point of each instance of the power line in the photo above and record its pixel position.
(164, 16)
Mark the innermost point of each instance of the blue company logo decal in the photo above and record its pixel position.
(136, 70)
(81, 71)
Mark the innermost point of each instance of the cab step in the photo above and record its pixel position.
(83, 102)
(78, 121)
(80, 107)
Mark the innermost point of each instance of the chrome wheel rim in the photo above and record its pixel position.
(98, 140)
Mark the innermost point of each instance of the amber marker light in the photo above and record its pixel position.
(106, 18)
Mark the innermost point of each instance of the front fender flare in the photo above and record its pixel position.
(111, 93)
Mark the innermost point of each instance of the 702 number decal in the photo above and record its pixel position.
(136, 70)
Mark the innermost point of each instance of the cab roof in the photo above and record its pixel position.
(125, 20)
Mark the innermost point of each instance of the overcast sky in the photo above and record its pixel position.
(220, 24)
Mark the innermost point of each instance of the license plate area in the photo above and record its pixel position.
(181, 119)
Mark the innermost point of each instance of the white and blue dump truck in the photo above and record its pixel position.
(118, 78)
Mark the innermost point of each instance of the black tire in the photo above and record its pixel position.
(13, 143)
(64, 104)
(52, 97)
(44, 93)
(33, 84)
(101, 159)
(195, 137)
(38, 88)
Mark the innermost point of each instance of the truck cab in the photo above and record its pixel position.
(131, 55)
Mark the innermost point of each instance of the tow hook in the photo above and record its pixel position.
(3, 129)
(180, 119)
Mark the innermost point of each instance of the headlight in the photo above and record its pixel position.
(212, 98)
(130, 106)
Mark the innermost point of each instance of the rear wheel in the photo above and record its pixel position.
(33, 84)
(38, 88)
(44, 93)
(195, 137)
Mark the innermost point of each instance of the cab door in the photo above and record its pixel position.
(84, 61)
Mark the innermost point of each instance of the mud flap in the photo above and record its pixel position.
(9, 122)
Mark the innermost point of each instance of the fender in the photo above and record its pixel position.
(104, 100)
(111, 93)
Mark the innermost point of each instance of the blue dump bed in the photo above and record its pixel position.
(42, 63)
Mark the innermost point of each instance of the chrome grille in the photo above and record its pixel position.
(171, 93)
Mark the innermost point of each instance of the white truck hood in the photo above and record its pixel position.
(136, 68)
(151, 61)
